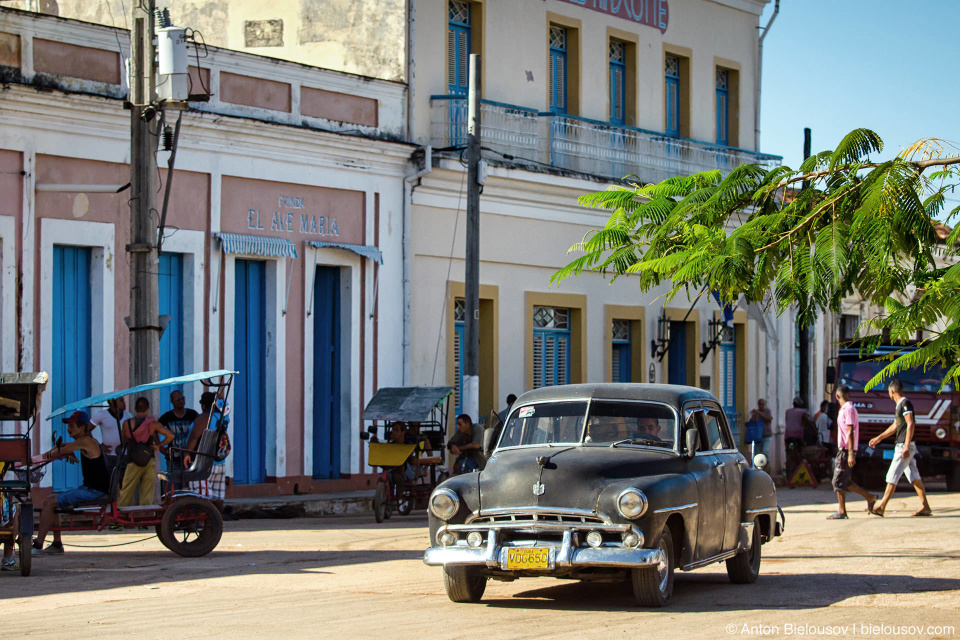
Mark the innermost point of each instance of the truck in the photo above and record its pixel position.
(936, 412)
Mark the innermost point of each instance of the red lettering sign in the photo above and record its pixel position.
(652, 13)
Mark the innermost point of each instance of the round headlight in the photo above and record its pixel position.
(444, 504)
(594, 539)
(632, 503)
(475, 539)
(941, 433)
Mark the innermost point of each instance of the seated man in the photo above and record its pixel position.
(96, 479)
(648, 427)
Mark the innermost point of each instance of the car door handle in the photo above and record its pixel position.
(717, 464)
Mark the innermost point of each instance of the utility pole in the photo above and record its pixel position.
(144, 321)
(804, 391)
(471, 323)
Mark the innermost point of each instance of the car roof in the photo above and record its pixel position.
(673, 394)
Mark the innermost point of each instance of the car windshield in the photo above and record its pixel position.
(609, 423)
(539, 424)
(856, 373)
(630, 423)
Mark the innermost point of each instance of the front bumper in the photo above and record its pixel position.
(563, 555)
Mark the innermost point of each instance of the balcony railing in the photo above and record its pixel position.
(583, 145)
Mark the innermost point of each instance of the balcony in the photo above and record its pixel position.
(582, 145)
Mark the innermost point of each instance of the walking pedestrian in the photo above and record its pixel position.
(848, 439)
(904, 452)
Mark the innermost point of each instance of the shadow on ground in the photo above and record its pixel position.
(78, 571)
(702, 592)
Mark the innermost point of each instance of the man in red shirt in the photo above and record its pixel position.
(848, 439)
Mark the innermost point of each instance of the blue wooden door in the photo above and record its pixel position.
(249, 404)
(672, 89)
(171, 304)
(70, 378)
(326, 374)
(677, 354)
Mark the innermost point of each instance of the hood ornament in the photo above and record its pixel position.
(538, 489)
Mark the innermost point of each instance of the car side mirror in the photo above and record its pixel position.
(490, 438)
(693, 442)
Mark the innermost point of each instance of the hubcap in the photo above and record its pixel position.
(663, 567)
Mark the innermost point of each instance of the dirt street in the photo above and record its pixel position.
(348, 577)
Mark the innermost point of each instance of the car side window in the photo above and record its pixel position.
(717, 434)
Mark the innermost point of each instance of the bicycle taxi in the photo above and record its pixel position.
(20, 395)
(406, 441)
(187, 523)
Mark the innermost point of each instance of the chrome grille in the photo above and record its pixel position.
(537, 517)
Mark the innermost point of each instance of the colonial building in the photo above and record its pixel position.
(577, 95)
(287, 198)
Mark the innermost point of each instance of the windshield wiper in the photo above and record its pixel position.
(640, 439)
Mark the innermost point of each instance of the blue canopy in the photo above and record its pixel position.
(169, 382)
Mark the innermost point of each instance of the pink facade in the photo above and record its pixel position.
(63, 156)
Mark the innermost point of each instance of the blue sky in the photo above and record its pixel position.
(835, 65)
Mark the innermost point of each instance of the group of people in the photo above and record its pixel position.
(903, 428)
(144, 439)
(802, 429)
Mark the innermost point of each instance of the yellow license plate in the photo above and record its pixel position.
(536, 558)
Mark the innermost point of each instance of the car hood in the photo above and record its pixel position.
(572, 478)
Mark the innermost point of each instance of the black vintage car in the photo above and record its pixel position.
(604, 482)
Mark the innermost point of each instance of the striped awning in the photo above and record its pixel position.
(257, 245)
(367, 251)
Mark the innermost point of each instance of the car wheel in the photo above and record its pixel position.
(464, 584)
(380, 502)
(744, 568)
(653, 586)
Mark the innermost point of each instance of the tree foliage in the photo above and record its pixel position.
(805, 238)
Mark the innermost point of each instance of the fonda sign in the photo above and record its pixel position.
(652, 13)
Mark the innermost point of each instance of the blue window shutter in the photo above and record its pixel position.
(458, 356)
(558, 69)
(723, 106)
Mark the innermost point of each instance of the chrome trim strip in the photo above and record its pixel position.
(702, 563)
(536, 511)
(760, 510)
(680, 508)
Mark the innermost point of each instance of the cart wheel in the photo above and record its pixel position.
(163, 541)
(26, 553)
(191, 527)
(405, 504)
(380, 503)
